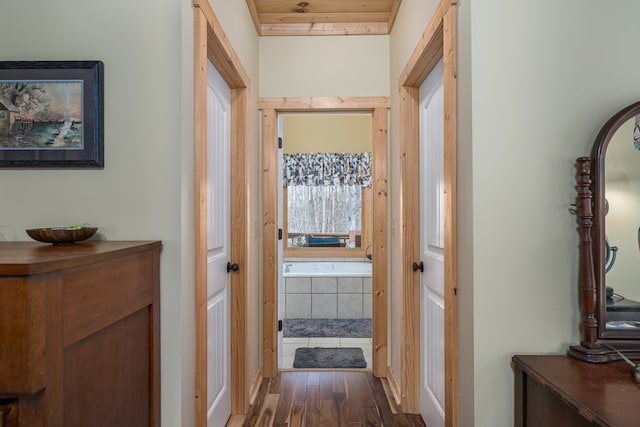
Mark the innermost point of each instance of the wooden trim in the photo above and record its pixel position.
(324, 17)
(325, 29)
(450, 217)
(286, 251)
(428, 51)
(251, 4)
(410, 248)
(285, 23)
(220, 51)
(394, 387)
(255, 386)
(270, 243)
(239, 243)
(271, 107)
(393, 14)
(200, 199)
(379, 241)
(367, 219)
(211, 43)
(329, 103)
(438, 41)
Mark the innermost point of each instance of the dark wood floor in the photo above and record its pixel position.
(328, 399)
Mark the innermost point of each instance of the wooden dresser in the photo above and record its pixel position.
(562, 391)
(80, 334)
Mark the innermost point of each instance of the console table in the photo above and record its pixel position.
(562, 391)
(80, 334)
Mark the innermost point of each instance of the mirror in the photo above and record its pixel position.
(622, 222)
(608, 210)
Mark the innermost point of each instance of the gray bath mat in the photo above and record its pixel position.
(340, 328)
(323, 357)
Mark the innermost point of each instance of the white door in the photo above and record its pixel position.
(432, 248)
(218, 224)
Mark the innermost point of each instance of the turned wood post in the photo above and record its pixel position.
(588, 292)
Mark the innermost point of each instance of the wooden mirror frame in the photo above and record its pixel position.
(590, 203)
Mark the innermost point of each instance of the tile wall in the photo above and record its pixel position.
(328, 297)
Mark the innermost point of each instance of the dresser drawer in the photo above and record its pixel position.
(107, 292)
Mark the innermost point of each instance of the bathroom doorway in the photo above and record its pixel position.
(325, 254)
(377, 109)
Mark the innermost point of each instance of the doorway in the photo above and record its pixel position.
(437, 42)
(211, 44)
(272, 108)
(325, 284)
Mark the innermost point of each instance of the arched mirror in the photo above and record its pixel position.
(608, 209)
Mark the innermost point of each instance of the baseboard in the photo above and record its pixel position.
(394, 387)
(255, 385)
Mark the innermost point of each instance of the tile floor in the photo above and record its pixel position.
(289, 346)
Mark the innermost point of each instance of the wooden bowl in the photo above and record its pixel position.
(61, 235)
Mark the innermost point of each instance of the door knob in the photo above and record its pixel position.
(232, 267)
(416, 267)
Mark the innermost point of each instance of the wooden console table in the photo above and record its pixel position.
(562, 391)
(80, 334)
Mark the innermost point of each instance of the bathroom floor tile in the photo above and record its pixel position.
(324, 342)
(289, 350)
(287, 362)
(354, 341)
(304, 341)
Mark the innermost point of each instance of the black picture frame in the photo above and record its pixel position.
(51, 114)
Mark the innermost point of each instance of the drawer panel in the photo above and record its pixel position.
(97, 296)
(22, 335)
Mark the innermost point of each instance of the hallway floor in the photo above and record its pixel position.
(325, 398)
(289, 346)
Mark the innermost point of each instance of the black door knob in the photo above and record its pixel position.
(416, 267)
(232, 267)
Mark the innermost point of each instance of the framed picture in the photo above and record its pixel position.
(51, 114)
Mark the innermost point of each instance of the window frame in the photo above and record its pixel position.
(331, 252)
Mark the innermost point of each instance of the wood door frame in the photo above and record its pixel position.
(438, 41)
(211, 43)
(271, 107)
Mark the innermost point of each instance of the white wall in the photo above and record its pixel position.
(145, 190)
(236, 21)
(545, 77)
(137, 195)
(535, 84)
(324, 66)
(413, 17)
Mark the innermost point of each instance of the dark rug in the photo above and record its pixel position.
(340, 328)
(323, 357)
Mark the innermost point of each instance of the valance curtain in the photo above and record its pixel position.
(327, 169)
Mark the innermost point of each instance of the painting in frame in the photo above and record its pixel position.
(51, 114)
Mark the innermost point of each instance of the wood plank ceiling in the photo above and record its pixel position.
(323, 17)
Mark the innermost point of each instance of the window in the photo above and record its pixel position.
(322, 212)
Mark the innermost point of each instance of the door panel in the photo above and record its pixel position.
(432, 397)
(218, 249)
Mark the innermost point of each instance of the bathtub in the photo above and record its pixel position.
(326, 269)
(327, 290)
